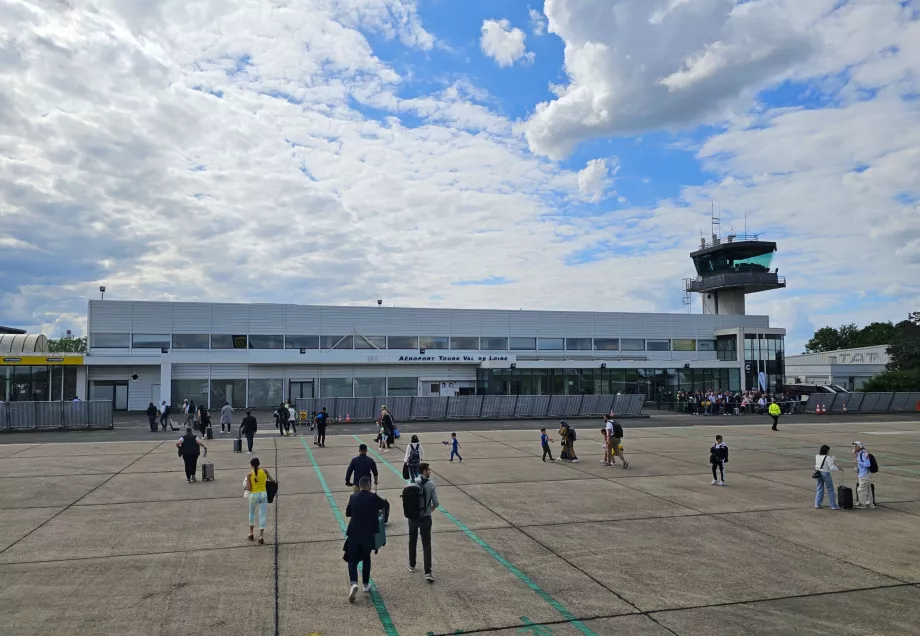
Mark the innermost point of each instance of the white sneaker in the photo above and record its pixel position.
(353, 592)
(367, 589)
(713, 482)
(249, 452)
(721, 483)
(575, 461)
(410, 568)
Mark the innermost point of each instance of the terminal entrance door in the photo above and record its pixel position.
(301, 389)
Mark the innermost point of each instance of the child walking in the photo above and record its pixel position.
(382, 439)
(544, 441)
(454, 447)
(718, 457)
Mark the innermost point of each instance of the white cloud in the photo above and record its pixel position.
(503, 43)
(635, 65)
(594, 180)
(537, 22)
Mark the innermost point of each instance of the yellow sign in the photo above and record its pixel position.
(41, 360)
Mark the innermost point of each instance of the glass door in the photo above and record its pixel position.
(301, 390)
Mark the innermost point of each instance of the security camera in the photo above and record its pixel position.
(379, 302)
(102, 288)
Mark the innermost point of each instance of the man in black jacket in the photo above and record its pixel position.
(364, 509)
(360, 467)
(248, 428)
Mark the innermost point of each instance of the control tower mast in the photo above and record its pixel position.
(728, 270)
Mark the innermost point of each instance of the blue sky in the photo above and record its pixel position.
(417, 151)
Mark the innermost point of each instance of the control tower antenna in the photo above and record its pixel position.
(716, 223)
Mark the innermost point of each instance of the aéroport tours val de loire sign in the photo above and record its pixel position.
(421, 358)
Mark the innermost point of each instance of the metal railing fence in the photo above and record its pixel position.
(475, 407)
(33, 416)
(863, 402)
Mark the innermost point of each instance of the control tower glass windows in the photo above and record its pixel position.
(729, 260)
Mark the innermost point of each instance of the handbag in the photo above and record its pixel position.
(405, 471)
(817, 473)
(271, 489)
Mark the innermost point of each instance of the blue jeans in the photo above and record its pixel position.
(413, 472)
(258, 503)
(827, 482)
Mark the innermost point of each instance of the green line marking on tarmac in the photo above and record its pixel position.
(539, 591)
(376, 599)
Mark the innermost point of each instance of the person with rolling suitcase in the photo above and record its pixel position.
(825, 464)
(189, 450)
(363, 510)
(248, 428)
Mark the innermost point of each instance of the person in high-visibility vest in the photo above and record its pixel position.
(774, 411)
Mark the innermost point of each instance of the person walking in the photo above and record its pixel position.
(775, 412)
(188, 409)
(256, 482)
(567, 433)
(386, 421)
(164, 415)
(189, 450)
(152, 417)
(204, 420)
(292, 417)
(544, 442)
(864, 494)
(360, 466)
(363, 510)
(825, 464)
(616, 438)
(605, 461)
(322, 420)
(423, 524)
(414, 456)
(226, 417)
(281, 420)
(248, 428)
(718, 457)
(455, 447)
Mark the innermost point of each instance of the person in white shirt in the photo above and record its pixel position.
(292, 416)
(825, 464)
(414, 456)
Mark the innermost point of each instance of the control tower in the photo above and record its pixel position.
(730, 269)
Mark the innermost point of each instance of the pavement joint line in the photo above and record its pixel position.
(69, 506)
(722, 517)
(382, 613)
(276, 549)
(521, 576)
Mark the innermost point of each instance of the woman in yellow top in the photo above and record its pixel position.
(258, 497)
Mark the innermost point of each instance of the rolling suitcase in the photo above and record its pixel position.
(866, 503)
(209, 433)
(238, 445)
(845, 497)
(380, 538)
(207, 471)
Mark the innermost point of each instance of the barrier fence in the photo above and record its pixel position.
(475, 407)
(863, 402)
(31, 416)
(788, 407)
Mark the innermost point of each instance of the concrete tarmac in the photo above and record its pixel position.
(100, 534)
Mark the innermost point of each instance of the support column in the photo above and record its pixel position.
(82, 384)
(166, 383)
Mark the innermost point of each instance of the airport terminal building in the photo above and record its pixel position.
(256, 355)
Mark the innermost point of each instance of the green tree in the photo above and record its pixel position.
(894, 381)
(875, 334)
(825, 339)
(67, 344)
(904, 350)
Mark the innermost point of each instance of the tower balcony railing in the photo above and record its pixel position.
(762, 280)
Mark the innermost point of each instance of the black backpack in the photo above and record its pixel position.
(617, 430)
(413, 500)
(873, 465)
(414, 456)
(572, 433)
(191, 408)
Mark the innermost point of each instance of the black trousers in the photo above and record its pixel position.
(775, 420)
(321, 435)
(191, 465)
(153, 423)
(249, 437)
(423, 525)
(360, 553)
(721, 471)
(547, 451)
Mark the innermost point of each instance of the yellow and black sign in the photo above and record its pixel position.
(40, 361)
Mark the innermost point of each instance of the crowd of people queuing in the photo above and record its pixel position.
(722, 402)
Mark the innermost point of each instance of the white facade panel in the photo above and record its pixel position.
(266, 372)
(434, 322)
(402, 322)
(494, 323)
(110, 316)
(229, 371)
(658, 326)
(110, 374)
(577, 325)
(685, 327)
(191, 318)
(190, 371)
(606, 325)
(338, 321)
(266, 319)
(465, 322)
(140, 391)
(633, 326)
(521, 323)
(153, 318)
(369, 321)
(303, 321)
(230, 319)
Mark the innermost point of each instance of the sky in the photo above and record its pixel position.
(563, 154)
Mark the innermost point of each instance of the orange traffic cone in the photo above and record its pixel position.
(819, 410)
(347, 418)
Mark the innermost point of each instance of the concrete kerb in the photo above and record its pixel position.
(567, 615)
